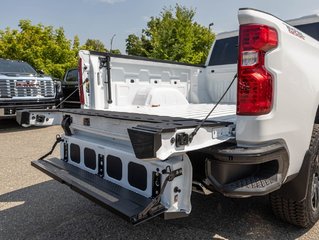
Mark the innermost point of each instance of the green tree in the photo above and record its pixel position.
(44, 47)
(94, 45)
(76, 44)
(138, 46)
(97, 45)
(174, 35)
(115, 51)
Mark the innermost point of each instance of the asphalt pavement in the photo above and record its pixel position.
(33, 206)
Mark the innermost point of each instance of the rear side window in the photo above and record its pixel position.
(312, 29)
(72, 76)
(225, 51)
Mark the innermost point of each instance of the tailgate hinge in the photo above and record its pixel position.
(155, 205)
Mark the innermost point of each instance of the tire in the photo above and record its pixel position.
(304, 213)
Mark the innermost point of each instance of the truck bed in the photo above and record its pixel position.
(223, 112)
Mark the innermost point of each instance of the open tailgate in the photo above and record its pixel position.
(122, 201)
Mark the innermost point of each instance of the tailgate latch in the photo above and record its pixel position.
(182, 139)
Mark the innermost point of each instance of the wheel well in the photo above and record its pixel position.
(198, 159)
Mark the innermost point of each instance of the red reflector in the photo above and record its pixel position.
(255, 83)
(254, 92)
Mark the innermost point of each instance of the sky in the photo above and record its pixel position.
(101, 19)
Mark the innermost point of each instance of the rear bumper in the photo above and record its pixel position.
(246, 172)
(8, 108)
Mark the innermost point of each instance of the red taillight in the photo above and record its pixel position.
(255, 83)
(80, 81)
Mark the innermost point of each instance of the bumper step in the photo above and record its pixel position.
(252, 184)
(120, 200)
(249, 186)
(245, 172)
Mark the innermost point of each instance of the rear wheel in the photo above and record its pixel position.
(304, 213)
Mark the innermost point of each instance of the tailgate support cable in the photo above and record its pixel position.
(154, 204)
(191, 136)
(58, 139)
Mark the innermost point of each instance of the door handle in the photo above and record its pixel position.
(212, 71)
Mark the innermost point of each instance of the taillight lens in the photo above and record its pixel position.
(255, 83)
(80, 81)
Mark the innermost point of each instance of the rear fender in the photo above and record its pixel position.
(296, 188)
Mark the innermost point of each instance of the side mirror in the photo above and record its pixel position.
(40, 72)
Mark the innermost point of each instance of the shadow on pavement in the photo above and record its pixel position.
(11, 125)
(50, 210)
(8, 123)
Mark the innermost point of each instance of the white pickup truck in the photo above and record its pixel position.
(149, 132)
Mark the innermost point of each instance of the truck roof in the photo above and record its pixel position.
(304, 20)
(296, 21)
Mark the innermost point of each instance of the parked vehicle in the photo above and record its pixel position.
(70, 92)
(152, 131)
(22, 87)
